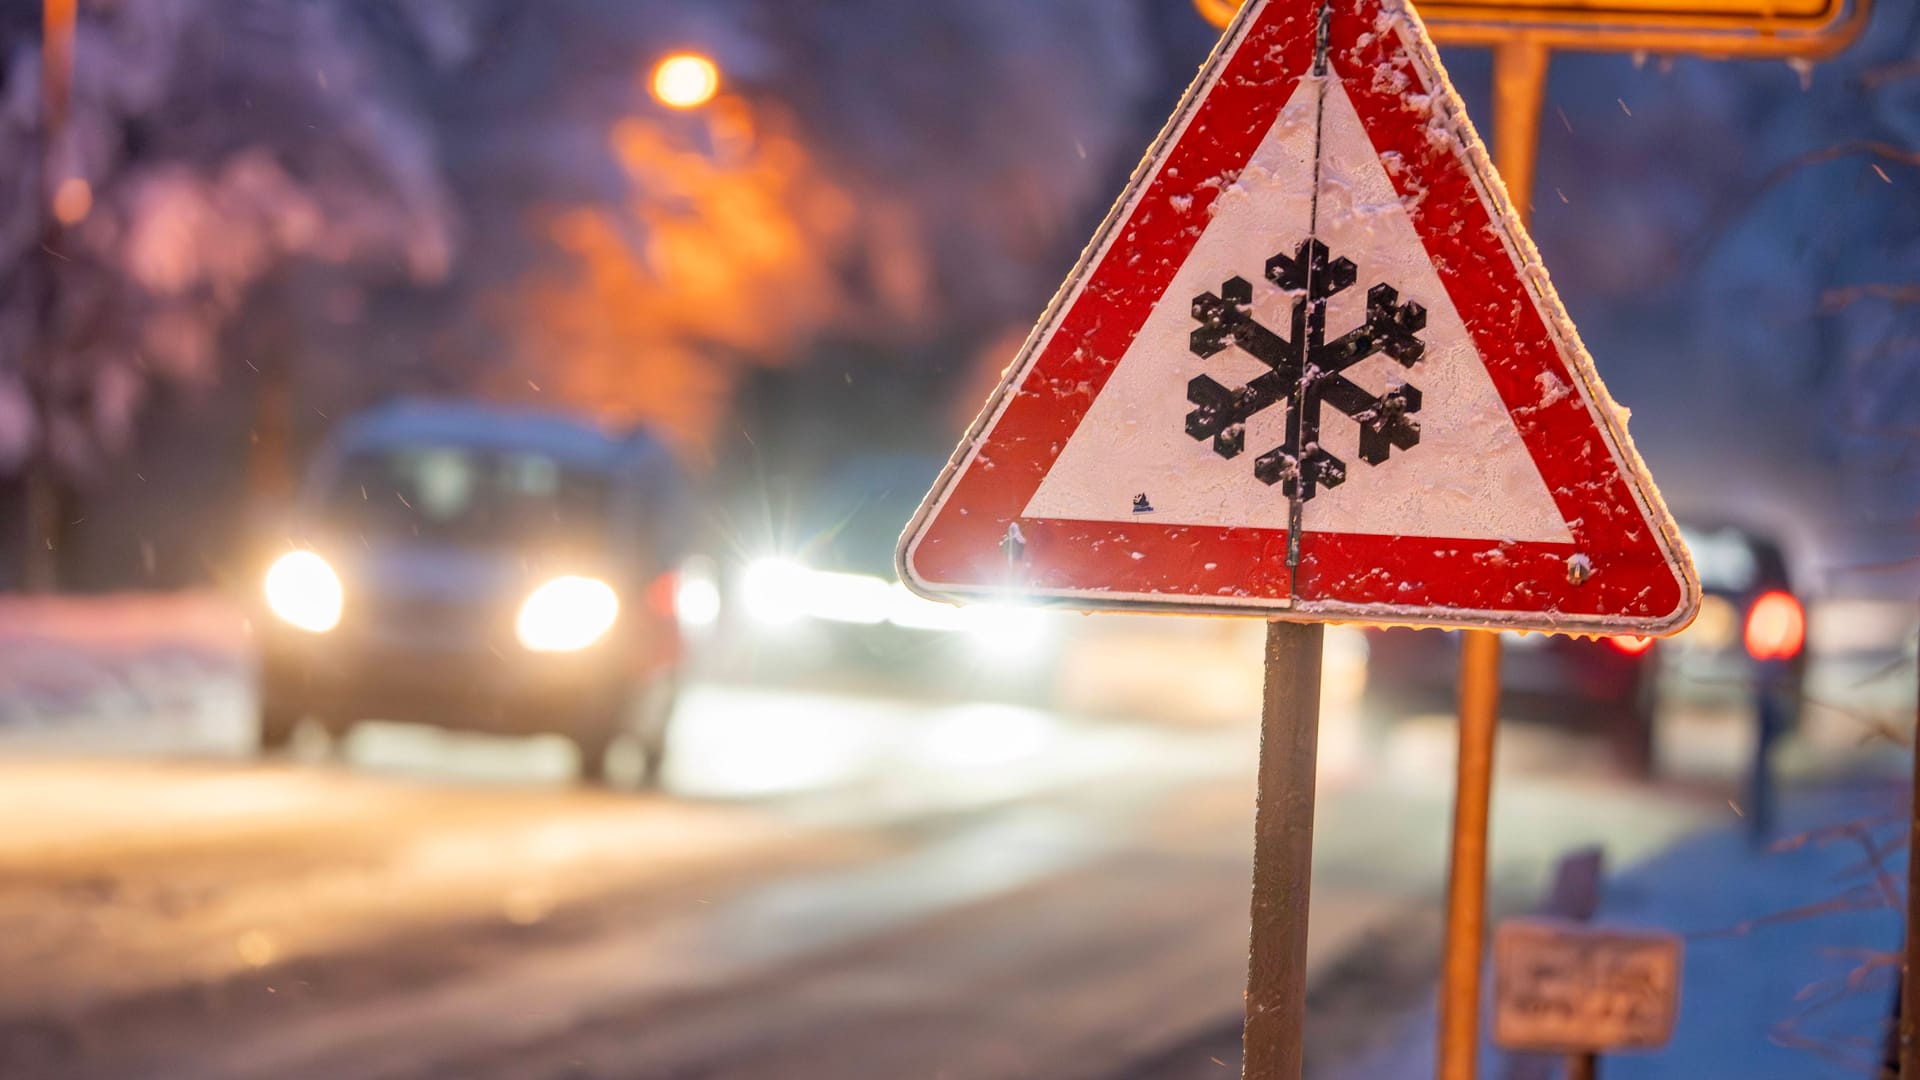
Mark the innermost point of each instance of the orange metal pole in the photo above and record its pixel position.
(1519, 84)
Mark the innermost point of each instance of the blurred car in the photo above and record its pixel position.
(485, 569)
(1751, 628)
(813, 600)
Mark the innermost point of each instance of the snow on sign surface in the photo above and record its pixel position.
(1310, 368)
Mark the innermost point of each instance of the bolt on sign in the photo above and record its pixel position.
(1310, 368)
(1564, 987)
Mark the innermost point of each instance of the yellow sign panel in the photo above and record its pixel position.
(1807, 28)
(1755, 12)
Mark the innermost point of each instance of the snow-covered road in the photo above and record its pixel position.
(838, 886)
(412, 917)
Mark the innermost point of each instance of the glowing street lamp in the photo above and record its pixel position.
(685, 80)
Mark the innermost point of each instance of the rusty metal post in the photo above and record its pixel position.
(1467, 877)
(1283, 853)
(1519, 90)
(41, 518)
(56, 58)
(1519, 85)
(1910, 961)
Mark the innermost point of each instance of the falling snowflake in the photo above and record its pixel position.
(1306, 371)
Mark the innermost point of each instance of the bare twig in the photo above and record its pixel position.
(1876, 77)
(1732, 209)
(1855, 1053)
(1830, 833)
(1857, 899)
(1893, 293)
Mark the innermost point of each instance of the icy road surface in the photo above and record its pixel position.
(844, 887)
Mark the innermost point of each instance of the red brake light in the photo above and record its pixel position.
(660, 594)
(1776, 627)
(1629, 644)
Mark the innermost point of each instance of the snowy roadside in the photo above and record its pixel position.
(1778, 979)
(135, 671)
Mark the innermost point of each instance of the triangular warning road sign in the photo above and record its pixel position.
(1310, 368)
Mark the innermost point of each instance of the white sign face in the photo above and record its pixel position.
(1133, 440)
(1564, 987)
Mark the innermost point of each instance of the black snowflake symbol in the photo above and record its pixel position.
(1301, 462)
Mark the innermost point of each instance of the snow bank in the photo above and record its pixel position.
(143, 667)
(1774, 986)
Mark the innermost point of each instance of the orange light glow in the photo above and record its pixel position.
(72, 200)
(1630, 644)
(1776, 627)
(685, 81)
(652, 333)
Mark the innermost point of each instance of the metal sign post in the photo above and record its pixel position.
(1283, 851)
(1909, 1030)
(1459, 1041)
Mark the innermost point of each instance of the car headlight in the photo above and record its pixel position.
(774, 591)
(304, 591)
(1005, 631)
(777, 592)
(566, 614)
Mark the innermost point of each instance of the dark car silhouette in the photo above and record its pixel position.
(479, 568)
(1752, 625)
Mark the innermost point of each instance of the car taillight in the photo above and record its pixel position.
(661, 593)
(1776, 627)
(1630, 644)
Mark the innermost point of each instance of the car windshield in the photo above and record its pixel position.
(467, 496)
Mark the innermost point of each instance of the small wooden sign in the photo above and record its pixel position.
(1568, 988)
